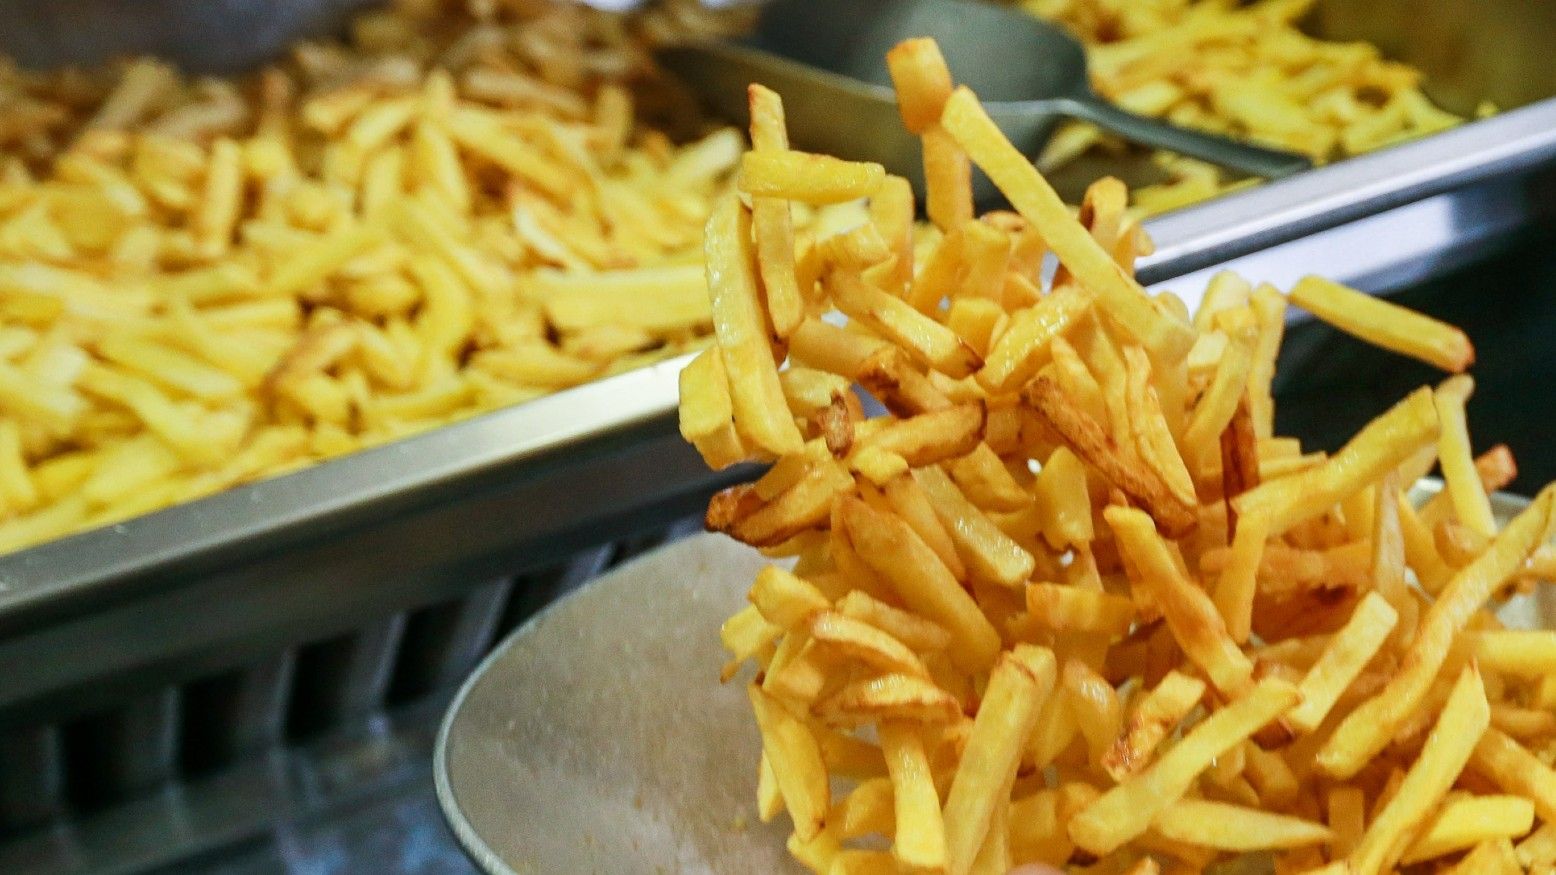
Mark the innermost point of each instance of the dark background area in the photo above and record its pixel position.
(1327, 385)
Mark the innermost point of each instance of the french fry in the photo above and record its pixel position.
(1017, 687)
(1128, 809)
(919, 828)
(929, 342)
(1234, 828)
(987, 483)
(860, 641)
(1087, 439)
(1383, 444)
(786, 600)
(989, 553)
(1462, 481)
(895, 552)
(918, 633)
(1384, 323)
(1150, 721)
(1095, 704)
(931, 437)
(1188, 611)
(947, 179)
(1463, 823)
(1513, 768)
(1348, 653)
(1370, 725)
(1023, 347)
(890, 697)
(795, 760)
(707, 418)
(1116, 292)
(771, 226)
(922, 80)
(807, 177)
(759, 409)
(1072, 609)
(1463, 720)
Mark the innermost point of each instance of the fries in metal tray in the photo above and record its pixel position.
(1070, 589)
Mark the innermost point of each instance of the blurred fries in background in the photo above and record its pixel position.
(1070, 588)
(205, 281)
(1245, 70)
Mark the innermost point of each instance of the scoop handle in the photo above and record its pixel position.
(1218, 150)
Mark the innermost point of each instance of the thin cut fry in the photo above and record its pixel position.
(1384, 323)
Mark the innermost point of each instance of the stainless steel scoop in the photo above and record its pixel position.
(827, 60)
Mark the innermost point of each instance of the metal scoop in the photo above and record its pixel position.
(828, 61)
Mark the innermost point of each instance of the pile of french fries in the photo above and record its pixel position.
(207, 281)
(1068, 599)
(1244, 70)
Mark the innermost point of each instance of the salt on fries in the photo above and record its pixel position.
(207, 282)
(1070, 600)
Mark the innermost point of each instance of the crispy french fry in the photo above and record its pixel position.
(929, 342)
(1463, 823)
(1156, 715)
(1017, 687)
(1023, 347)
(1383, 444)
(1348, 653)
(1127, 810)
(1462, 722)
(1234, 828)
(895, 552)
(1072, 609)
(923, 82)
(1385, 324)
(1118, 295)
(807, 177)
(1188, 611)
(1087, 439)
(988, 553)
(1470, 503)
(1370, 725)
(920, 829)
(1513, 768)
(795, 759)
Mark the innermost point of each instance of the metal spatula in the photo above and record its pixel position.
(827, 60)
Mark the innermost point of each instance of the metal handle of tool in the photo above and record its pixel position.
(1218, 150)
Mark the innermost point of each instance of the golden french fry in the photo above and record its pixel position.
(1383, 444)
(771, 227)
(1128, 809)
(1188, 611)
(1072, 609)
(795, 759)
(807, 177)
(1348, 653)
(1086, 438)
(1117, 293)
(1023, 347)
(1234, 828)
(1018, 685)
(1370, 725)
(989, 553)
(1384, 323)
(759, 409)
(929, 342)
(922, 80)
(919, 829)
(895, 552)
(1462, 482)
(1513, 768)
(1462, 722)
(1463, 823)
(890, 697)
(1149, 723)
